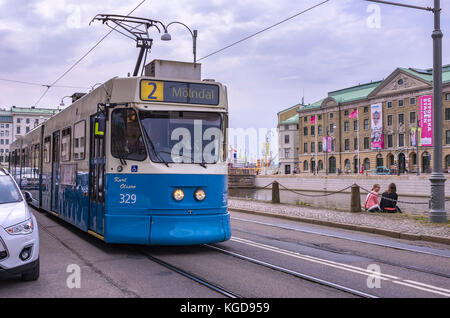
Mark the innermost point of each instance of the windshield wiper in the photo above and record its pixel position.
(153, 147)
(202, 164)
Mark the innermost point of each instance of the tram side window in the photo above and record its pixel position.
(47, 149)
(65, 144)
(79, 131)
(126, 138)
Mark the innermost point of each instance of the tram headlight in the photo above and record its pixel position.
(200, 195)
(178, 195)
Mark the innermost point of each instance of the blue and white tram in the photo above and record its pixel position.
(139, 160)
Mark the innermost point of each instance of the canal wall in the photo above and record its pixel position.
(408, 185)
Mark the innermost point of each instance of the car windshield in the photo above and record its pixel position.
(9, 193)
(182, 137)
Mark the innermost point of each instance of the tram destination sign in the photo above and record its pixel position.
(179, 92)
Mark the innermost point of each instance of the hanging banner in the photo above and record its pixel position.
(426, 120)
(377, 126)
(326, 143)
(412, 137)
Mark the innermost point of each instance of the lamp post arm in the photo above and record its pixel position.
(194, 37)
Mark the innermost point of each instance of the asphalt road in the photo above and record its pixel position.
(340, 257)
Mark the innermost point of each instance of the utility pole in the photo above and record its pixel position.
(437, 203)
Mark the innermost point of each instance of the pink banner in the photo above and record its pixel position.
(426, 120)
(313, 119)
(377, 126)
(326, 143)
(353, 114)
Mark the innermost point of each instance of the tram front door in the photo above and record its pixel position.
(96, 179)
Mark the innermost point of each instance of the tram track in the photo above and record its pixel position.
(385, 277)
(195, 278)
(347, 253)
(444, 254)
(293, 273)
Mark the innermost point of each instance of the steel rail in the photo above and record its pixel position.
(191, 276)
(393, 246)
(293, 273)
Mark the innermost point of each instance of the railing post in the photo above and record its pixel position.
(275, 192)
(355, 199)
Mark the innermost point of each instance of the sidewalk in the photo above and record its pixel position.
(402, 226)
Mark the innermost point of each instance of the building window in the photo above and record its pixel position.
(320, 147)
(313, 147)
(366, 143)
(447, 96)
(401, 119)
(366, 109)
(7, 125)
(331, 128)
(286, 139)
(286, 153)
(313, 130)
(332, 115)
(390, 141)
(305, 119)
(347, 144)
(447, 137)
(305, 131)
(412, 101)
(412, 117)
(333, 144)
(320, 117)
(401, 140)
(366, 124)
(305, 147)
(27, 129)
(7, 141)
(389, 120)
(2, 126)
(320, 130)
(27, 120)
(355, 143)
(346, 113)
(355, 125)
(346, 126)
(18, 120)
(447, 114)
(400, 103)
(18, 130)
(389, 104)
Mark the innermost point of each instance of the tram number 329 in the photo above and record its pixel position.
(127, 199)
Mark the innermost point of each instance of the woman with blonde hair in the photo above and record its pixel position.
(372, 204)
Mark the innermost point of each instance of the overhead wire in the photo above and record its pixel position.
(84, 56)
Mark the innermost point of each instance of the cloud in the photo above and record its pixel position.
(328, 48)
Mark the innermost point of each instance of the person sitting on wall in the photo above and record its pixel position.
(389, 200)
(372, 204)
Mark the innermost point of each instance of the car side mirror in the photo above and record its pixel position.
(28, 197)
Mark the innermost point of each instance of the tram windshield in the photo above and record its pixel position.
(182, 137)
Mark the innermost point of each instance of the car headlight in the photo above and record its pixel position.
(178, 194)
(21, 228)
(200, 195)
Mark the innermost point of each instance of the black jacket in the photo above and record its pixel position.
(388, 200)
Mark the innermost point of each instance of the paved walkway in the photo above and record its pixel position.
(395, 225)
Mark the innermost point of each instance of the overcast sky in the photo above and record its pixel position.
(328, 48)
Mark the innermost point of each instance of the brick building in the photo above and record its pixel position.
(346, 117)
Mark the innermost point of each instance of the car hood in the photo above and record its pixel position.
(13, 213)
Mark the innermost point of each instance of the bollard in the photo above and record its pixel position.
(355, 199)
(275, 192)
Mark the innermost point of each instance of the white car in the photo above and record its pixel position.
(19, 236)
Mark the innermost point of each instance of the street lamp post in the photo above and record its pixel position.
(167, 37)
(62, 101)
(437, 178)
